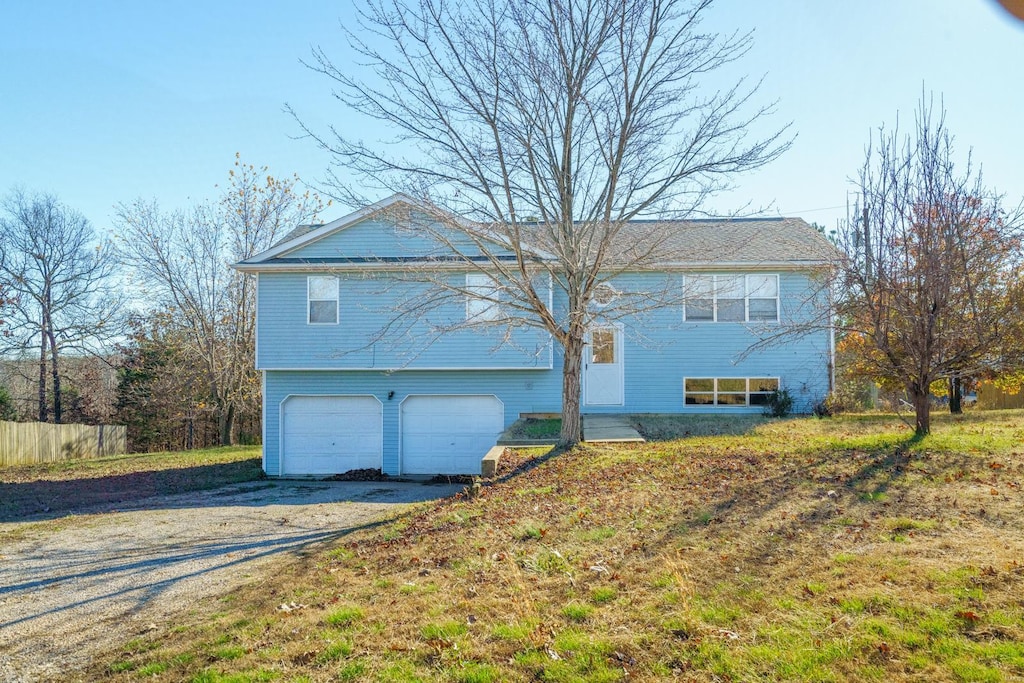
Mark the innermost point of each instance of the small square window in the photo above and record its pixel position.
(481, 292)
(322, 300)
(699, 293)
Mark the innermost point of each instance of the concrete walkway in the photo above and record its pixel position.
(609, 428)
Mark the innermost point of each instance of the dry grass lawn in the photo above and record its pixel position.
(53, 489)
(817, 550)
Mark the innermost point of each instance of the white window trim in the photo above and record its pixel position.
(714, 393)
(746, 299)
(336, 299)
(483, 308)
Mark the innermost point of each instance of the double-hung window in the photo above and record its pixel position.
(763, 298)
(481, 298)
(322, 298)
(732, 298)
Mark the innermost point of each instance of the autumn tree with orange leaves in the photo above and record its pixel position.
(932, 260)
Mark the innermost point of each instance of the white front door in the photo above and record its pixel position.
(602, 367)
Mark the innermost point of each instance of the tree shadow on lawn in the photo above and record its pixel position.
(860, 493)
(48, 499)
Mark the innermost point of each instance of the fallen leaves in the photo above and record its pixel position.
(290, 607)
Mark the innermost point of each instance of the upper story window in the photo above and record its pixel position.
(322, 297)
(481, 295)
(732, 298)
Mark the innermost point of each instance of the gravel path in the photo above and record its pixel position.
(74, 586)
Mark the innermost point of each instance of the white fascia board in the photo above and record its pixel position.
(380, 266)
(531, 368)
(737, 265)
(462, 265)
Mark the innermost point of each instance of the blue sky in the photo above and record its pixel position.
(103, 102)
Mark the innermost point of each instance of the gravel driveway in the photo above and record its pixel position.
(77, 585)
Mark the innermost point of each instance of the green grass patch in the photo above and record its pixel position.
(334, 652)
(514, 632)
(601, 533)
(344, 616)
(447, 631)
(575, 611)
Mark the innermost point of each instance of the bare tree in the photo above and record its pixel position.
(538, 129)
(932, 257)
(61, 279)
(181, 261)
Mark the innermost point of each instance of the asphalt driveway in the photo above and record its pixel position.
(73, 586)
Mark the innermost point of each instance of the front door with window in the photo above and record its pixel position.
(602, 367)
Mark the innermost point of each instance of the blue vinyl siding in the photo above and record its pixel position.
(377, 237)
(369, 336)
(373, 351)
(660, 349)
(519, 391)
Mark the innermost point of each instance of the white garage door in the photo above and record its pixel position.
(323, 435)
(449, 434)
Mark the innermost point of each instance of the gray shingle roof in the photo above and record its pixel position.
(297, 231)
(742, 240)
(749, 241)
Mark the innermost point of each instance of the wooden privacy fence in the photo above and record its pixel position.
(991, 397)
(28, 443)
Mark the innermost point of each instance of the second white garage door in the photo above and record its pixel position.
(449, 434)
(324, 435)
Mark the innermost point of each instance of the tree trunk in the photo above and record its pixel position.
(572, 430)
(922, 410)
(58, 407)
(227, 425)
(956, 395)
(42, 378)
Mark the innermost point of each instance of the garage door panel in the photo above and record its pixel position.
(324, 435)
(449, 434)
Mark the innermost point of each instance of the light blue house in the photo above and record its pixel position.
(353, 379)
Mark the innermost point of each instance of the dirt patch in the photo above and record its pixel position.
(367, 474)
